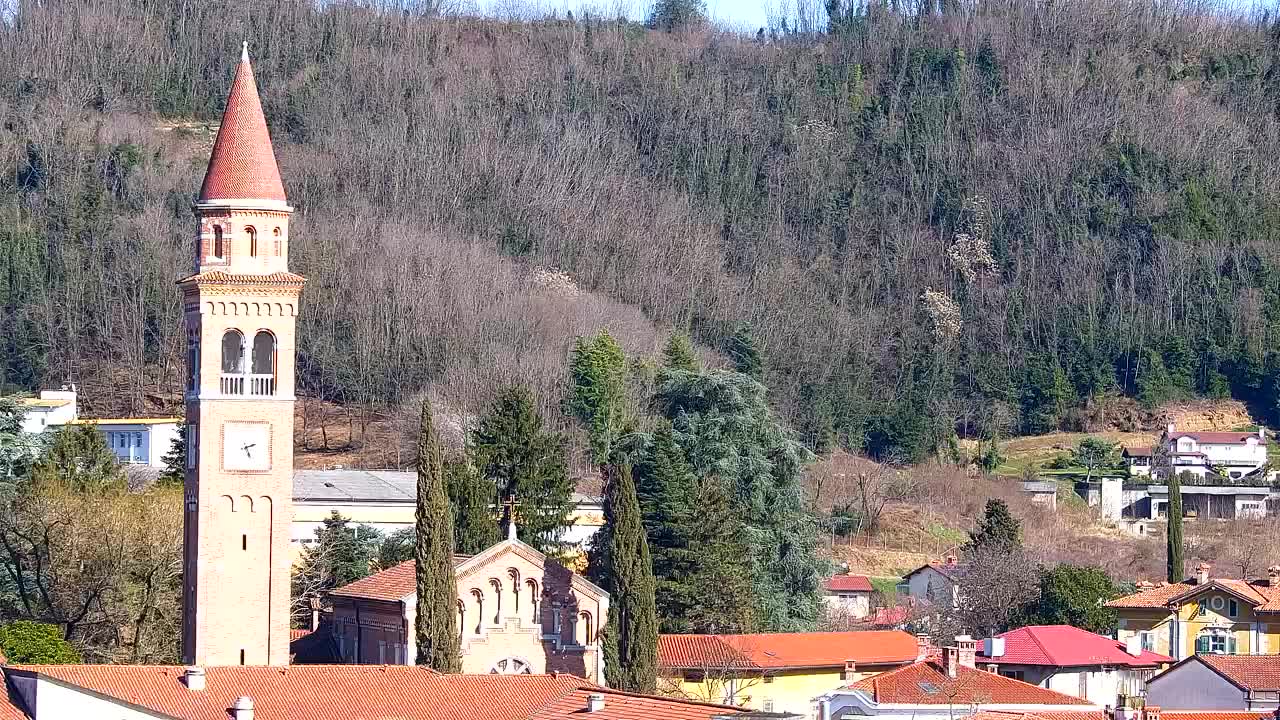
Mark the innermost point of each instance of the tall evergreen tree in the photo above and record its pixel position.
(678, 353)
(631, 657)
(598, 373)
(341, 554)
(175, 460)
(436, 624)
(997, 529)
(511, 449)
(1175, 572)
(745, 354)
(473, 498)
(79, 456)
(723, 424)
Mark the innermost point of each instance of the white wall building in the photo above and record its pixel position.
(1233, 454)
(50, 408)
(135, 441)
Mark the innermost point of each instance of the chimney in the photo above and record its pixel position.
(950, 662)
(1170, 428)
(193, 676)
(922, 648)
(1145, 585)
(595, 702)
(1151, 712)
(850, 670)
(1273, 576)
(1202, 573)
(967, 651)
(243, 709)
(995, 647)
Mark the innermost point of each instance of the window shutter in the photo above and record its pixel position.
(1202, 644)
(1231, 644)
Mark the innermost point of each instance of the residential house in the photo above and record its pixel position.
(1203, 615)
(387, 500)
(1219, 682)
(1233, 455)
(135, 441)
(776, 672)
(1072, 661)
(849, 594)
(942, 687)
(937, 583)
(518, 612)
(135, 692)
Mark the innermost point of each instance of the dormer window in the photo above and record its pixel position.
(253, 241)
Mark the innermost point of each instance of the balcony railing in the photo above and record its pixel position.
(248, 384)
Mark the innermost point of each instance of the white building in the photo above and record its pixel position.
(849, 594)
(937, 584)
(135, 441)
(1234, 455)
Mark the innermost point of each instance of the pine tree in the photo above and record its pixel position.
(475, 526)
(79, 457)
(511, 449)
(631, 657)
(340, 555)
(175, 461)
(672, 15)
(1173, 537)
(679, 355)
(598, 373)
(436, 624)
(998, 529)
(745, 355)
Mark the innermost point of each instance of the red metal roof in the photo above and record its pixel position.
(363, 692)
(776, 651)
(1249, 672)
(243, 164)
(1065, 646)
(926, 683)
(849, 583)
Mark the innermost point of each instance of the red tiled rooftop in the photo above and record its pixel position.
(911, 685)
(394, 583)
(1065, 646)
(1249, 672)
(1216, 438)
(786, 650)
(362, 692)
(243, 164)
(849, 583)
(222, 277)
(1259, 592)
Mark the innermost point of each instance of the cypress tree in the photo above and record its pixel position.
(631, 653)
(475, 526)
(1173, 550)
(436, 628)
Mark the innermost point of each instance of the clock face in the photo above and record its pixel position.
(246, 446)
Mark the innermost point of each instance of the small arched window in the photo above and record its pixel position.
(584, 628)
(219, 246)
(479, 598)
(514, 574)
(253, 241)
(276, 243)
(462, 615)
(264, 364)
(533, 599)
(232, 352)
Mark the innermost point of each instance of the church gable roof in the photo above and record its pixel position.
(243, 163)
(394, 584)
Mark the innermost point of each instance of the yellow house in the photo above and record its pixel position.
(1204, 615)
(776, 672)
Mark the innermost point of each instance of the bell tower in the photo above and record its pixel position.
(240, 307)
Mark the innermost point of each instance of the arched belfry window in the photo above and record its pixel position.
(263, 378)
(277, 248)
(253, 240)
(232, 363)
(219, 245)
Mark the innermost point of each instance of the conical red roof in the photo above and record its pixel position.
(243, 165)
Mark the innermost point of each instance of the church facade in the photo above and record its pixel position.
(519, 612)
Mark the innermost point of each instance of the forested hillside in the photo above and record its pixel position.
(978, 220)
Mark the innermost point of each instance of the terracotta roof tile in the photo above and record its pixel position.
(926, 683)
(1065, 646)
(1251, 672)
(1156, 597)
(774, 651)
(1266, 597)
(849, 583)
(222, 277)
(1216, 438)
(243, 164)
(363, 692)
(394, 583)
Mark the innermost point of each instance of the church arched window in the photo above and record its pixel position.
(532, 585)
(263, 381)
(584, 628)
(496, 584)
(479, 601)
(276, 242)
(511, 666)
(462, 619)
(219, 245)
(514, 574)
(232, 381)
(253, 240)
